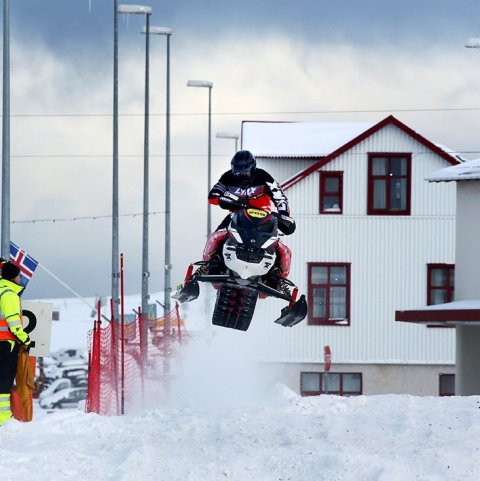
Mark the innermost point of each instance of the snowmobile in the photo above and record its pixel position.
(245, 268)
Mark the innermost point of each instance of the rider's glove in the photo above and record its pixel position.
(286, 224)
(232, 202)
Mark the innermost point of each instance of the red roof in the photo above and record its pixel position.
(390, 120)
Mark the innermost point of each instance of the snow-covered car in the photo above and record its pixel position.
(65, 398)
(78, 377)
(55, 386)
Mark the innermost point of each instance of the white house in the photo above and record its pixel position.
(372, 238)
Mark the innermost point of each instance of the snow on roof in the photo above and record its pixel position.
(473, 304)
(456, 312)
(298, 139)
(469, 170)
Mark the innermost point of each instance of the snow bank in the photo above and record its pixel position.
(381, 438)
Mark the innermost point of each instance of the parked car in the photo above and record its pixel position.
(55, 386)
(78, 377)
(65, 398)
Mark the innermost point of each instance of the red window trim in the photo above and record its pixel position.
(370, 209)
(336, 393)
(326, 322)
(323, 176)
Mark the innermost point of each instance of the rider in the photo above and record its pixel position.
(243, 186)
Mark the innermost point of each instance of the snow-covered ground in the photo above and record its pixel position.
(277, 438)
(225, 420)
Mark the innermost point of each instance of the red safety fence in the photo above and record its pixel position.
(130, 359)
(121, 374)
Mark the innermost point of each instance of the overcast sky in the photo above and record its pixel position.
(268, 59)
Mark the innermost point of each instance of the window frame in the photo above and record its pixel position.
(340, 392)
(324, 175)
(450, 288)
(371, 178)
(328, 321)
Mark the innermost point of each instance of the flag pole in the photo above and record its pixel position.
(69, 288)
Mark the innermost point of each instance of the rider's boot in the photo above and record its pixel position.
(296, 310)
(285, 286)
(203, 269)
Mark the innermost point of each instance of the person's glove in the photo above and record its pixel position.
(27, 344)
(232, 202)
(286, 224)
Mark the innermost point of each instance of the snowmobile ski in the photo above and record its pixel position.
(291, 315)
(188, 292)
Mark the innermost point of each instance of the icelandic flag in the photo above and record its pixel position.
(26, 263)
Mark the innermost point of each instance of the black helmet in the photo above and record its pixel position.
(243, 165)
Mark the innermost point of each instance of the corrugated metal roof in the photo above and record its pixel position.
(469, 170)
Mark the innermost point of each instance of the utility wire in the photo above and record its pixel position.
(280, 112)
(86, 156)
(74, 219)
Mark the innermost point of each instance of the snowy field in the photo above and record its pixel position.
(280, 438)
(226, 420)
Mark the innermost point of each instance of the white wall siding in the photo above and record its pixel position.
(388, 257)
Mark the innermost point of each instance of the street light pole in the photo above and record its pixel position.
(5, 241)
(209, 85)
(145, 271)
(167, 32)
(115, 248)
(229, 135)
(147, 11)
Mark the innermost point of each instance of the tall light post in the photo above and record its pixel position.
(167, 32)
(5, 241)
(147, 11)
(209, 85)
(115, 249)
(117, 9)
(229, 135)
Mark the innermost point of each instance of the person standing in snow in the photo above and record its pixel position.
(12, 335)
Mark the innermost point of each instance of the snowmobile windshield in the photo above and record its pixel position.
(254, 226)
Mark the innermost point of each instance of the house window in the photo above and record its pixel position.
(331, 192)
(389, 179)
(446, 385)
(338, 383)
(329, 294)
(440, 283)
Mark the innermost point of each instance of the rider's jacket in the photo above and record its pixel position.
(261, 189)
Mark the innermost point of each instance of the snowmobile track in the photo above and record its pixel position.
(234, 307)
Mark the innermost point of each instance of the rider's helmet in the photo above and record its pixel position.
(243, 166)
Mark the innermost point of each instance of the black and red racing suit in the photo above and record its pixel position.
(261, 192)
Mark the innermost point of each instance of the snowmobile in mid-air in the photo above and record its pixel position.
(245, 267)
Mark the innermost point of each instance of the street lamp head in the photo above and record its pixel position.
(140, 9)
(158, 30)
(227, 135)
(200, 83)
(473, 42)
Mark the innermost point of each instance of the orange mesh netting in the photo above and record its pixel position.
(121, 374)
